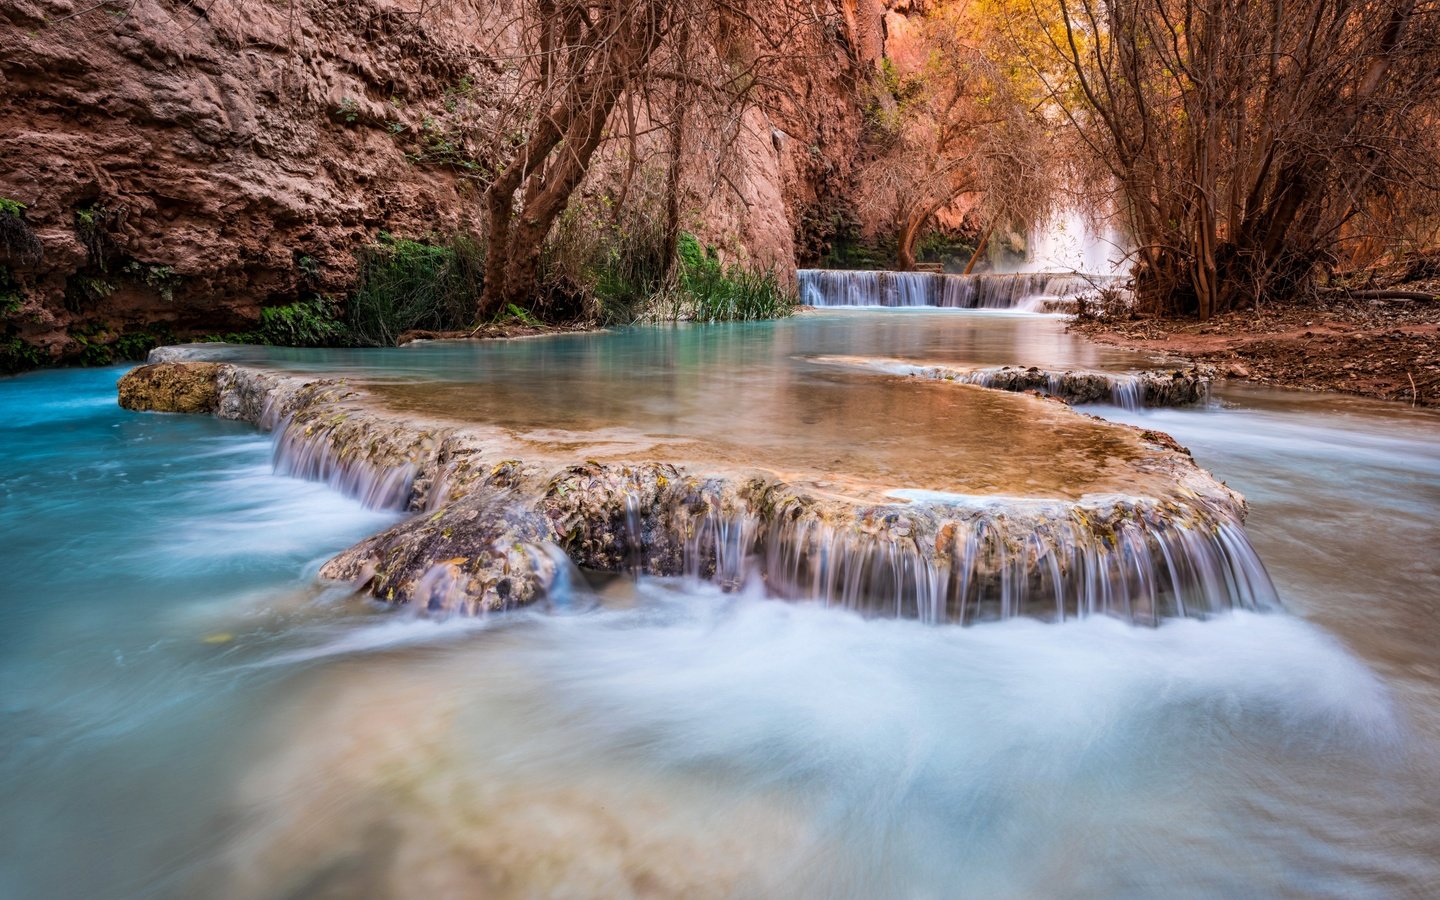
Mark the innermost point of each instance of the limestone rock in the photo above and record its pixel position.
(171, 387)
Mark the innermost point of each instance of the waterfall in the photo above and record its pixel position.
(1128, 390)
(312, 455)
(1150, 569)
(1030, 290)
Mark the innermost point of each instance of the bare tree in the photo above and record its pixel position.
(586, 55)
(1242, 138)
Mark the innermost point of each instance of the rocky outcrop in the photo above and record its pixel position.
(184, 165)
(493, 514)
(172, 387)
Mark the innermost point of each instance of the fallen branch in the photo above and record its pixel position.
(1386, 295)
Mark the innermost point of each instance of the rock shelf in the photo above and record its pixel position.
(1186, 386)
(497, 514)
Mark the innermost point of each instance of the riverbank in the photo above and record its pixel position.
(1375, 348)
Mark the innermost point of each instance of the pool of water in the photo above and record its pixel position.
(187, 713)
(767, 394)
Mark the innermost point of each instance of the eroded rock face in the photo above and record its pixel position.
(493, 514)
(172, 387)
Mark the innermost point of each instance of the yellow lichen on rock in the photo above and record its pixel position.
(171, 387)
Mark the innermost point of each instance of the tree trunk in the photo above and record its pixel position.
(554, 161)
(677, 150)
(910, 233)
(979, 249)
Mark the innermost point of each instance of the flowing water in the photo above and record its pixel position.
(186, 713)
(1026, 292)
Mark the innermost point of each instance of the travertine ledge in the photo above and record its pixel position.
(490, 511)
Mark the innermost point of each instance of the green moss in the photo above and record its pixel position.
(83, 291)
(91, 224)
(92, 338)
(12, 298)
(17, 238)
(17, 355)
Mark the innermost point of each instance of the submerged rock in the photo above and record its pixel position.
(1184, 386)
(171, 387)
(478, 554)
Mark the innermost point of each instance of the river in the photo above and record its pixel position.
(188, 713)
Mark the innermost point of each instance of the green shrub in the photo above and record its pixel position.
(162, 278)
(17, 238)
(611, 258)
(94, 349)
(307, 323)
(12, 298)
(16, 355)
(410, 285)
(313, 322)
(134, 345)
(710, 292)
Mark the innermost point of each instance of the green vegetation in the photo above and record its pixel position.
(17, 238)
(134, 345)
(408, 285)
(162, 278)
(426, 285)
(312, 322)
(90, 224)
(11, 296)
(16, 355)
(627, 282)
(404, 285)
(349, 111)
(711, 292)
(100, 346)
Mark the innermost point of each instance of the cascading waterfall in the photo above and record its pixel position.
(1125, 390)
(1149, 569)
(1052, 563)
(303, 453)
(837, 287)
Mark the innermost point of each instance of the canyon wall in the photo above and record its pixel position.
(182, 165)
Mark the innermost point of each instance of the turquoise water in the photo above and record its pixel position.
(187, 713)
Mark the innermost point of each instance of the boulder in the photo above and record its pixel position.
(172, 387)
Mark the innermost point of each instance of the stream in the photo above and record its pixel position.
(188, 712)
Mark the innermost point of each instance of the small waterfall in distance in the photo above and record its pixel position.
(1026, 290)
